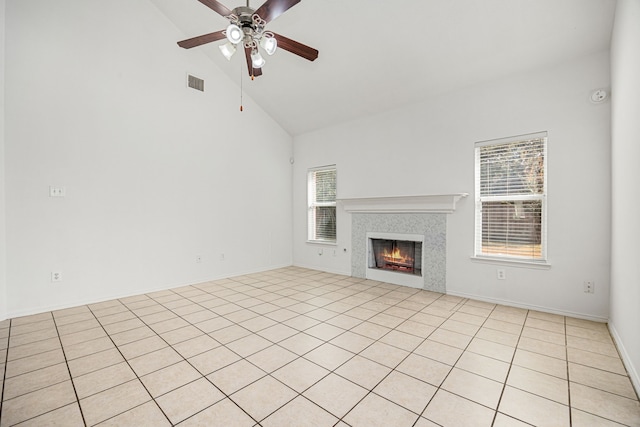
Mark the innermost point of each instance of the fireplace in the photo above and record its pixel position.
(403, 256)
(421, 218)
(395, 258)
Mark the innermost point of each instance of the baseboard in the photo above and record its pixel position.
(76, 303)
(626, 360)
(530, 307)
(324, 269)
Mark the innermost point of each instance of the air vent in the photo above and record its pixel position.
(196, 83)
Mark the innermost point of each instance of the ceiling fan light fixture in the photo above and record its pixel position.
(269, 44)
(247, 27)
(228, 49)
(256, 59)
(234, 34)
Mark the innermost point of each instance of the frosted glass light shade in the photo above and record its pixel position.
(256, 59)
(269, 44)
(234, 34)
(228, 50)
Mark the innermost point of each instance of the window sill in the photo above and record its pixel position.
(322, 242)
(542, 265)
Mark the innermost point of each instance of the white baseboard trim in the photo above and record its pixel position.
(76, 303)
(326, 270)
(530, 307)
(626, 360)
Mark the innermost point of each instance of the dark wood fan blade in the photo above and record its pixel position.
(203, 39)
(217, 6)
(271, 9)
(297, 48)
(253, 72)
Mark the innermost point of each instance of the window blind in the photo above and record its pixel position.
(510, 198)
(322, 204)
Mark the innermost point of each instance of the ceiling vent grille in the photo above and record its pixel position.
(195, 83)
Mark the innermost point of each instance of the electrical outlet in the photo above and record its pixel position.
(57, 192)
(501, 273)
(589, 286)
(221, 257)
(56, 276)
(198, 259)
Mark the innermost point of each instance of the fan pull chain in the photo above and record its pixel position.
(241, 72)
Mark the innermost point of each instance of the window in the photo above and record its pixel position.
(511, 193)
(322, 204)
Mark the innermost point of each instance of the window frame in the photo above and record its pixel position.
(313, 203)
(542, 260)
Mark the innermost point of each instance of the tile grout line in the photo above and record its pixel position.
(170, 346)
(585, 385)
(64, 353)
(336, 315)
(506, 378)
(443, 380)
(77, 402)
(370, 391)
(457, 360)
(566, 355)
(302, 331)
(128, 364)
(567, 362)
(399, 363)
(301, 291)
(312, 310)
(28, 372)
(332, 371)
(66, 362)
(458, 305)
(226, 396)
(269, 374)
(299, 356)
(224, 345)
(4, 374)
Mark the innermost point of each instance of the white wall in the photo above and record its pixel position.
(155, 173)
(3, 255)
(427, 148)
(625, 253)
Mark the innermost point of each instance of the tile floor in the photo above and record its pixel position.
(296, 347)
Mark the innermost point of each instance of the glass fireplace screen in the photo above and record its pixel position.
(402, 256)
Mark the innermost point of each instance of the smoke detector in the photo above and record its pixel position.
(598, 96)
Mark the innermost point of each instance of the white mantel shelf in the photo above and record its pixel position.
(431, 203)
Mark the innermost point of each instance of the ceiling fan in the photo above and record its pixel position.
(247, 29)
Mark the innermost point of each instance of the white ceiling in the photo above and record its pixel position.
(376, 56)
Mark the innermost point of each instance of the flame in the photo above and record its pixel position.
(396, 256)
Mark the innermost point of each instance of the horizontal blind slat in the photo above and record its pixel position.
(510, 192)
(322, 204)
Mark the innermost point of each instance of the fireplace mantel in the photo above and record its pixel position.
(432, 203)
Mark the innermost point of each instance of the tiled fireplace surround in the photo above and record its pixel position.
(432, 225)
(418, 215)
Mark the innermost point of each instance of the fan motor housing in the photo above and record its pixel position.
(244, 14)
(245, 19)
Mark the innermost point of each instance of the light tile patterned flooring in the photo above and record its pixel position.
(296, 347)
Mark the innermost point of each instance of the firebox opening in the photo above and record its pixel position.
(400, 256)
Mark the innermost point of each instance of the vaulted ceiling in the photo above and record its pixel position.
(378, 55)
